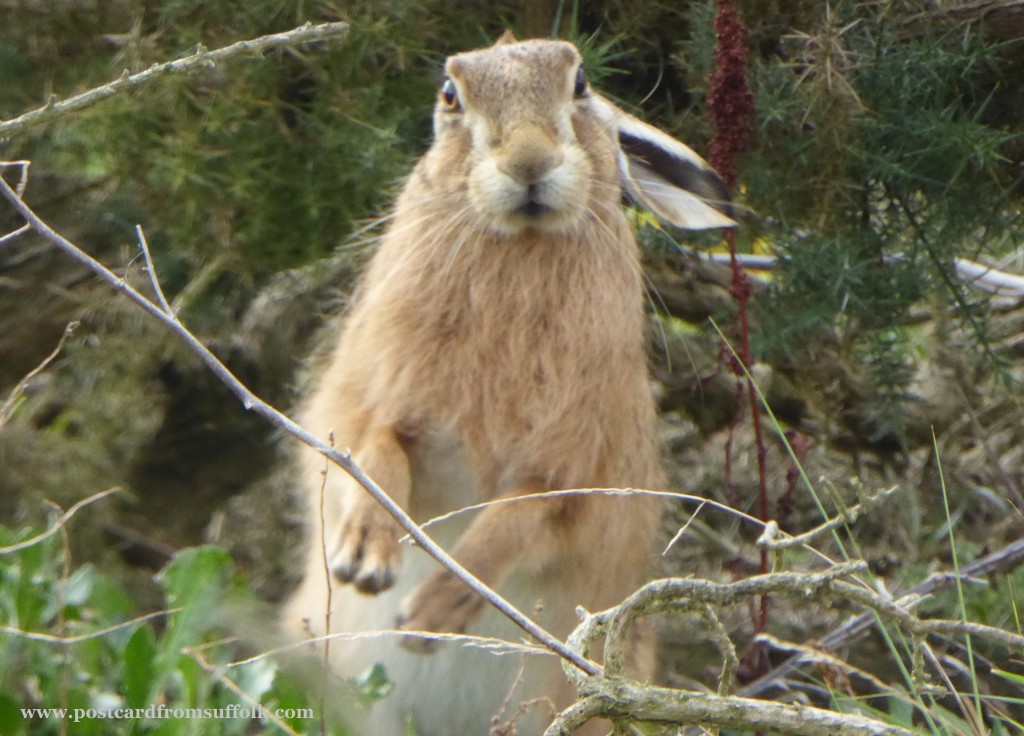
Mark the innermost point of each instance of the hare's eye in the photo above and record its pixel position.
(581, 84)
(450, 96)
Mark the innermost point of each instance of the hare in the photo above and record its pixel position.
(496, 349)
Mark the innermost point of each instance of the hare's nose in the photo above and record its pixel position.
(527, 155)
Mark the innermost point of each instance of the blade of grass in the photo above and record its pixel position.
(933, 726)
(976, 716)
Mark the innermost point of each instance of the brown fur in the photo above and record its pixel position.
(511, 344)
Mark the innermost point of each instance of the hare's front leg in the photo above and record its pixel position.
(362, 548)
(525, 532)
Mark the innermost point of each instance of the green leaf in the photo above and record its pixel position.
(78, 587)
(11, 721)
(139, 654)
(193, 581)
(373, 685)
(256, 678)
(194, 575)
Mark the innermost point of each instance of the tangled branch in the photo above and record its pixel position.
(612, 694)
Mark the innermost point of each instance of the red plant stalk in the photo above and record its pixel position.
(731, 106)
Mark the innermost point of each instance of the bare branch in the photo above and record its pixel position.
(200, 59)
(978, 275)
(888, 608)
(773, 538)
(684, 594)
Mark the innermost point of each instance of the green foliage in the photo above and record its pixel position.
(153, 665)
(879, 158)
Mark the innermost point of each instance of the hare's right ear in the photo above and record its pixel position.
(667, 177)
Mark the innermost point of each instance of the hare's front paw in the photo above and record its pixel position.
(441, 603)
(365, 551)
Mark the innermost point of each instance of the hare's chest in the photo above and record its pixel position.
(442, 476)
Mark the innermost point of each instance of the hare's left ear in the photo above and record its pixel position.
(667, 177)
(506, 38)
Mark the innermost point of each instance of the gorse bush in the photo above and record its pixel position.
(899, 153)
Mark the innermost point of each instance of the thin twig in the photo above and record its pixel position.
(488, 644)
(151, 270)
(812, 654)
(79, 638)
(343, 459)
(7, 408)
(682, 530)
(773, 538)
(329, 583)
(701, 500)
(768, 528)
(57, 525)
(62, 620)
(14, 234)
(730, 661)
(23, 181)
(233, 687)
(200, 59)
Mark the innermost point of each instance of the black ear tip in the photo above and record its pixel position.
(692, 176)
(722, 200)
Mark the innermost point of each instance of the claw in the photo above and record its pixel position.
(412, 642)
(375, 580)
(366, 556)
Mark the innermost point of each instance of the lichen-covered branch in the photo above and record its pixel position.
(774, 539)
(675, 594)
(620, 697)
(201, 58)
(613, 695)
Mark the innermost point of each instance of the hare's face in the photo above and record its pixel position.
(535, 151)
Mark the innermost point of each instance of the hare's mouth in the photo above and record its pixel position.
(533, 209)
(533, 205)
(513, 207)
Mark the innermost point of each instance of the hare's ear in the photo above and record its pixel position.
(667, 177)
(506, 38)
